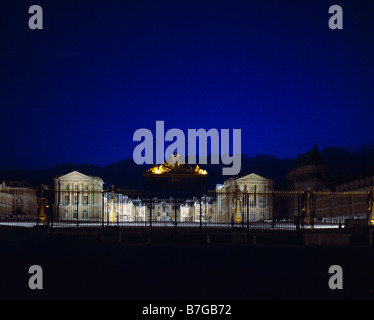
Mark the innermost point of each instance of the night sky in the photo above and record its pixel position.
(99, 70)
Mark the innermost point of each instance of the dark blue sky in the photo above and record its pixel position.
(78, 89)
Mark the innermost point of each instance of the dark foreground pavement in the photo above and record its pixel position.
(76, 270)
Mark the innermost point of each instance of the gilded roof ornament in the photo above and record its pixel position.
(175, 167)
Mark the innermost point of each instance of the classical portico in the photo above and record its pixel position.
(79, 196)
(252, 191)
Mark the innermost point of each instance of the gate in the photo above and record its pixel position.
(267, 210)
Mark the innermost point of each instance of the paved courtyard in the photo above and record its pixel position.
(76, 270)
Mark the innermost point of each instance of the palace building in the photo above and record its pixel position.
(120, 206)
(190, 210)
(78, 196)
(310, 171)
(350, 199)
(23, 197)
(5, 202)
(253, 192)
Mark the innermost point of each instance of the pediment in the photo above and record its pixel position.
(75, 175)
(251, 178)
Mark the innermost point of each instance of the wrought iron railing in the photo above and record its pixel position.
(267, 210)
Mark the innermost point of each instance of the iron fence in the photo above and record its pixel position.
(268, 210)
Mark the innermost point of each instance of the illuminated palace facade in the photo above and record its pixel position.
(332, 203)
(122, 207)
(349, 199)
(5, 202)
(17, 198)
(78, 196)
(250, 198)
(251, 192)
(82, 197)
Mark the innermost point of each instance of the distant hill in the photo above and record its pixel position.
(343, 165)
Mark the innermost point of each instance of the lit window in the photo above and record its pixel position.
(252, 217)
